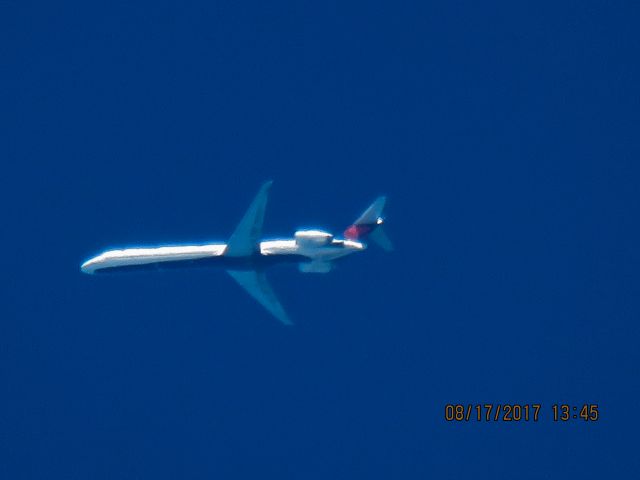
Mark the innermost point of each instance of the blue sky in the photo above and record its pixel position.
(506, 138)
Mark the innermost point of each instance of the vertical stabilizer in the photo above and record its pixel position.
(369, 224)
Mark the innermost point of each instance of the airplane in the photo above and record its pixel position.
(245, 256)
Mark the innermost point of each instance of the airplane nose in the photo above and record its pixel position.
(88, 266)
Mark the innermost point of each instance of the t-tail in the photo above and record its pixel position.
(369, 225)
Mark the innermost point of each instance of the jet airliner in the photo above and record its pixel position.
(245, 255)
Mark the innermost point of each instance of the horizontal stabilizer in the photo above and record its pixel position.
(381, 239)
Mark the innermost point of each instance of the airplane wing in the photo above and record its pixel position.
(245, 239)
(255, 283)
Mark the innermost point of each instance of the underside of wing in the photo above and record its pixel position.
(255, 283)
(245, 239)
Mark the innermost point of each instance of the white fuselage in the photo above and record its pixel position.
(286, 250)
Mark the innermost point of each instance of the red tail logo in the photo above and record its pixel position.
(354, 232)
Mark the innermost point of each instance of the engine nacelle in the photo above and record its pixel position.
(315, 267)
(312, 238)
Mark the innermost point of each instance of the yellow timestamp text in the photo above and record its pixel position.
(517, 412)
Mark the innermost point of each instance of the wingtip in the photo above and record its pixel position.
(282, 316)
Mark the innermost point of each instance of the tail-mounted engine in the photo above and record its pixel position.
(316, 266)
(312, 238)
